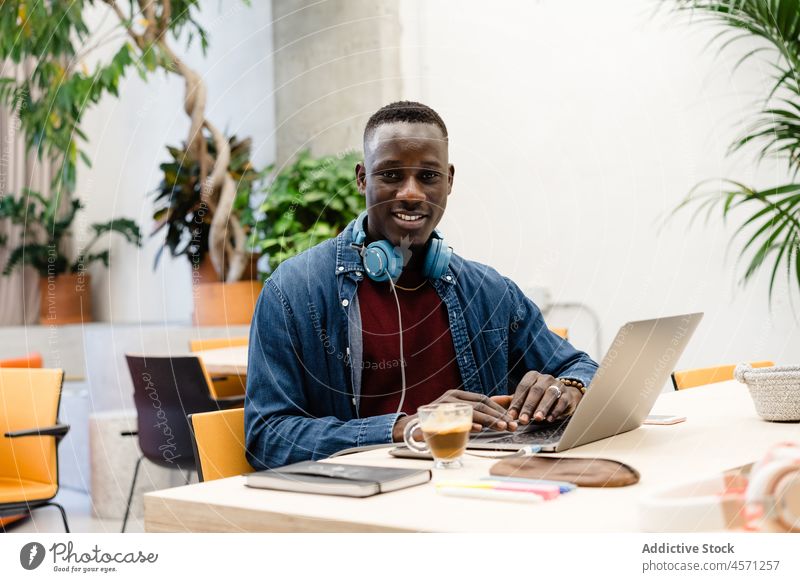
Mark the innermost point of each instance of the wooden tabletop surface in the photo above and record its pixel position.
(722, 431)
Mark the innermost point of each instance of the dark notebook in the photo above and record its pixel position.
(337, 479)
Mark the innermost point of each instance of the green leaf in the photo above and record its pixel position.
(102, 256)
(85, 159)
(775, 213)
(123, 226)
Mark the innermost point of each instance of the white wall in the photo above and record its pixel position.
(127, 139)
(575, 128)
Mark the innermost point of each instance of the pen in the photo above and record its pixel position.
(545, 491)
(564, 486)
(491, 494)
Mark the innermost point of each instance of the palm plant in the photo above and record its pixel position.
(772, 228)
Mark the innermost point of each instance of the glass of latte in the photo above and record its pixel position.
(445, 428)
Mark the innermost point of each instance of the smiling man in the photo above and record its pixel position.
(326, 370)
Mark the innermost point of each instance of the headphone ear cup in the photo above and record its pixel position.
(382, 261)
(763, 484)
(437, 259)
(787, 499)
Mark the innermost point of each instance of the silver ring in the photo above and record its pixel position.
(557, 389)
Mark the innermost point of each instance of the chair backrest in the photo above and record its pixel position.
(219, 444)
(216, 343)
(29, 398)
(165, 390)
(561, 332)
(702, 376)
(227, 386)
(32, 360)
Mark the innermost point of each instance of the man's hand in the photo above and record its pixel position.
(485, 413)
(400, 427)
(535, 399)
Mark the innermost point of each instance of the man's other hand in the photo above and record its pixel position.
(536, 399)
(486, 413)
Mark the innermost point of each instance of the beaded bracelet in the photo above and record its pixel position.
(574, 383)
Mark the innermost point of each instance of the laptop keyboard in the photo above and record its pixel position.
(532, 434)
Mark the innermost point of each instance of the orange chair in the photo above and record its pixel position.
(702, 376)
(217, 343)
(224, 388)
(219, 446)
(29, 402)
(32, 360)
(561, 332)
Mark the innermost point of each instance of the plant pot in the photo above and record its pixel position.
(65, 299)
(204, 272)
(225, 303)
(251, 273)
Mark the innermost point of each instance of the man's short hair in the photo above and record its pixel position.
(408, 111)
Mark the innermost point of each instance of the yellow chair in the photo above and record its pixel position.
(225, 388)
(29, 401)
(702, 376)
(561, 332)
(219, 446)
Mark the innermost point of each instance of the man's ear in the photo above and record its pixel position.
(361, 178)
(451, 172)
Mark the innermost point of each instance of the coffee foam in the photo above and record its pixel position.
(443, 422)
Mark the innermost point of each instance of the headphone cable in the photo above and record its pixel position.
(402, 359)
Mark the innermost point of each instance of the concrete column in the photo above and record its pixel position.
(336, 62)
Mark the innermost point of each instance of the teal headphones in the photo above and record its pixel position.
(382, 260)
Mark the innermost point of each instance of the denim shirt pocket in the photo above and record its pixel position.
(492, 359)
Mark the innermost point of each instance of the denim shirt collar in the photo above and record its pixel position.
(348, 259)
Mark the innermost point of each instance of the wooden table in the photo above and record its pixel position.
(225, 361)
(722, 432)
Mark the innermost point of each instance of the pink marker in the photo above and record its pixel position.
(547, 492)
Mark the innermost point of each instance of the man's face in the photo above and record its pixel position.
(406, 178)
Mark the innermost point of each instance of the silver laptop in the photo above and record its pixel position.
(621, 394)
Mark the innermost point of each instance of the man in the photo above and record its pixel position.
(325, 368)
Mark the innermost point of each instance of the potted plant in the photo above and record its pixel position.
(57, 37)
(772, 226)
(308, 202)
(185, 216)
(64, 284)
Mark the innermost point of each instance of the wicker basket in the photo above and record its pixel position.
(775, 391)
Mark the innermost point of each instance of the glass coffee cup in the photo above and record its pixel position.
(445, 428)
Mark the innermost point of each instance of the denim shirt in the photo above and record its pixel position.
(305, 353)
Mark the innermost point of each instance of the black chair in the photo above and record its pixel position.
(165, 390)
